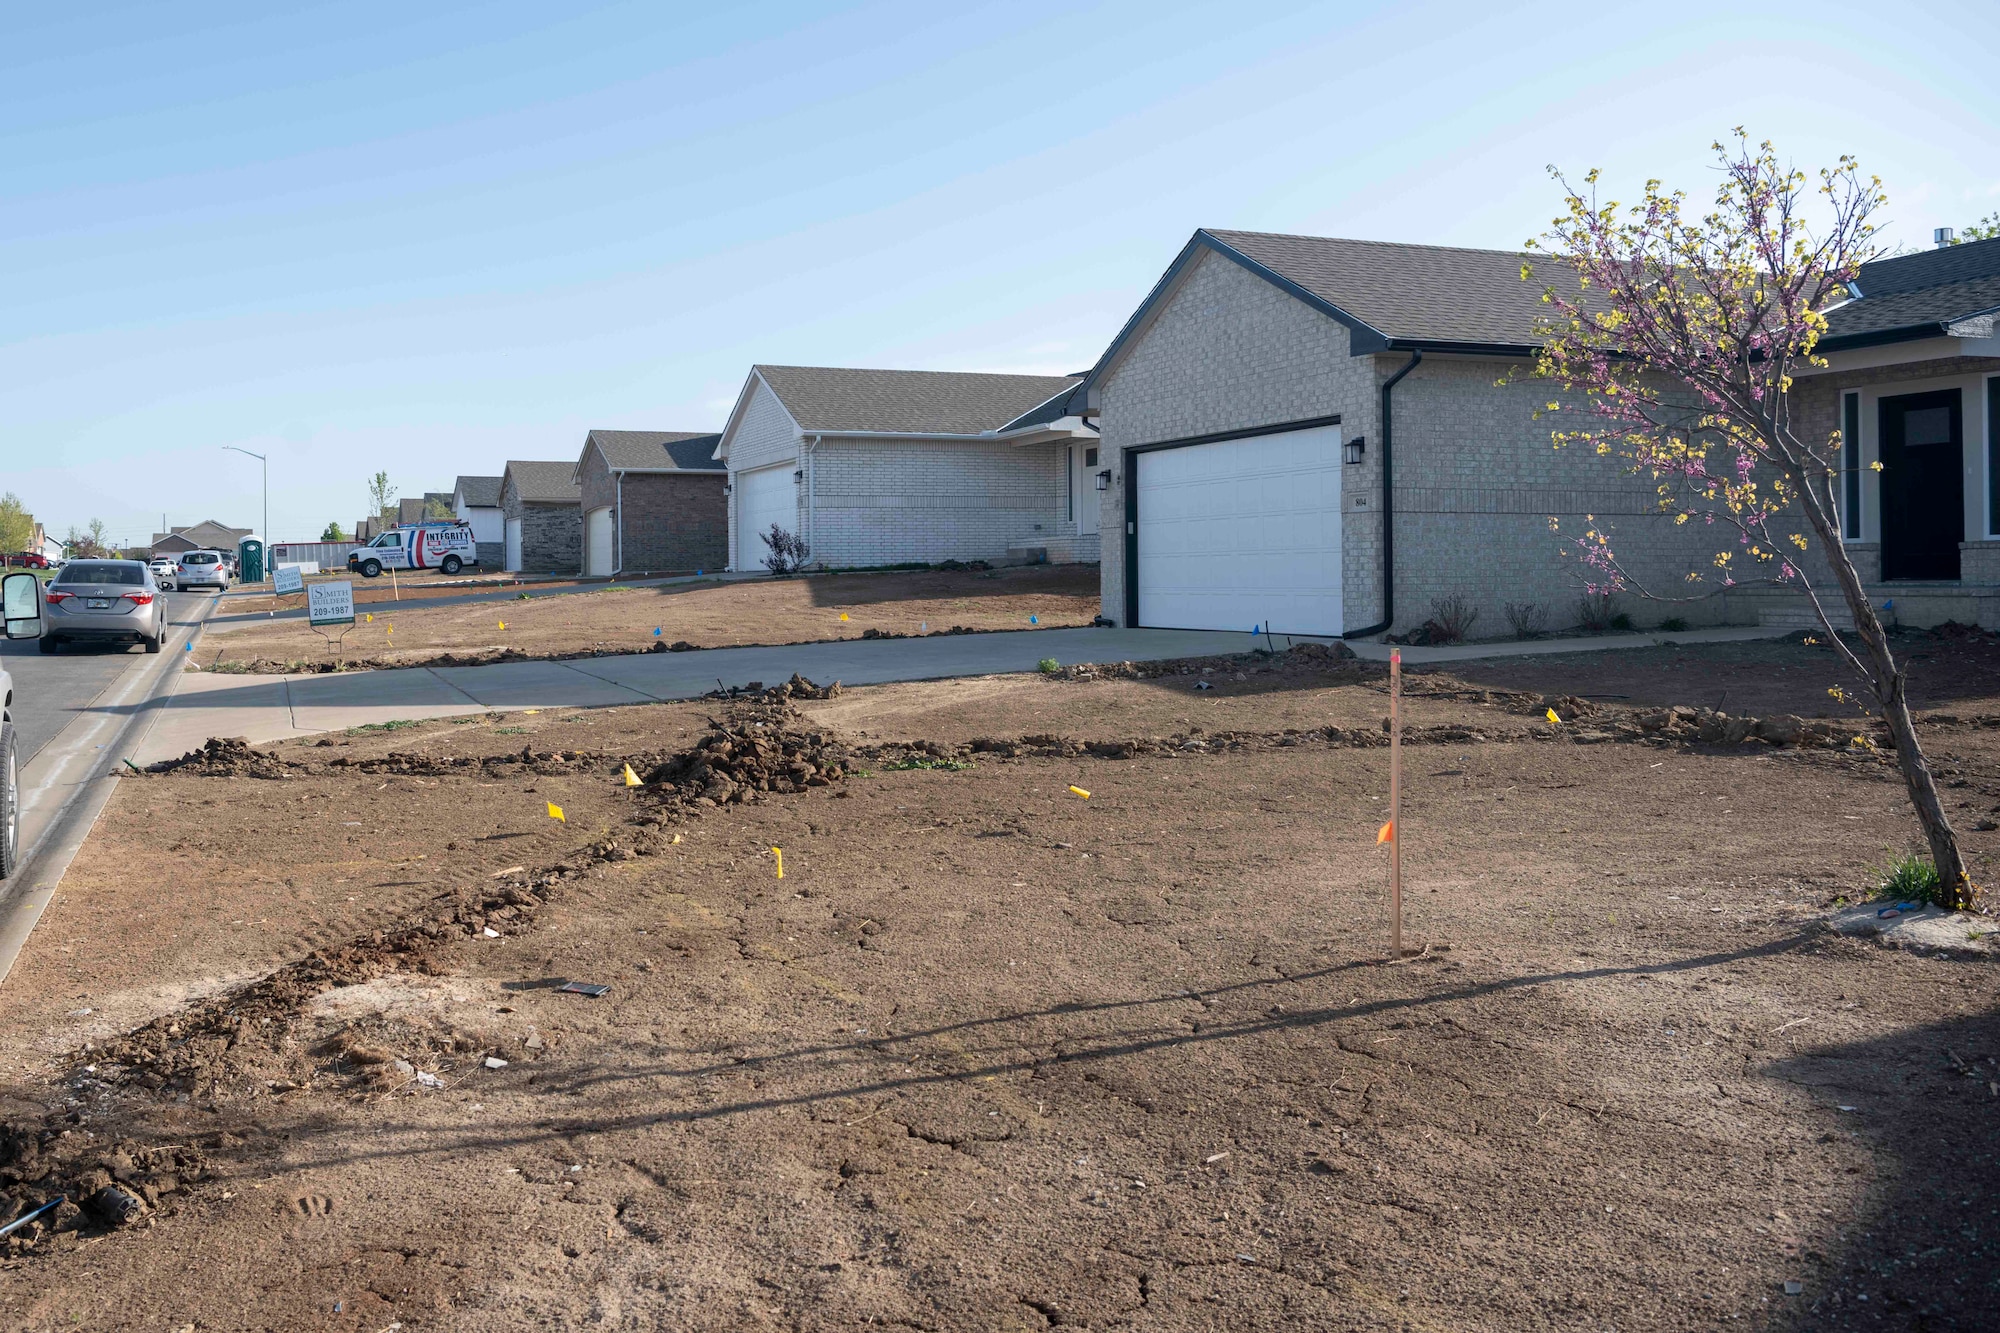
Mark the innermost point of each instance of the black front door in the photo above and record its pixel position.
(1923, 484)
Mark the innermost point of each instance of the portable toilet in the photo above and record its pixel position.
(250, 560)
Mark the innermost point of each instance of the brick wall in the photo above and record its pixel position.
(1227, 351)
(551, 534)
(674, 522)
(882, 502)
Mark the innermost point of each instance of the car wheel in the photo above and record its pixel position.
(10, 803)
(153, 644)
(50, 643)
(451, 564)
(371, 569)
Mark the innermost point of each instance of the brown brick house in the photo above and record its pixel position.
(652, 502)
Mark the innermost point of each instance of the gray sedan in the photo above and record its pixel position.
(107, 601)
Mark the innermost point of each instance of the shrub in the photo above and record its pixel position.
(1452, 618)
(1048, 666)
(1673, 624)
(1913, 878)
(1528, 620)
(788, 552)
(1622, 621)
(1593, 611)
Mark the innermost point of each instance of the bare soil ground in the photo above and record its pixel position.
(992, 1055)
(622, 620)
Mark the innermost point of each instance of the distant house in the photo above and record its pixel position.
(207, 535)
(476, 501)
(882, 467)
(652, 501)
(542, 522)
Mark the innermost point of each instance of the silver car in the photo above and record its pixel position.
(202, 569)
(104, 601)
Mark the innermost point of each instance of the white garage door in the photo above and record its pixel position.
(513, 546)
(766, 496)
(597, 543)
(1242, 532)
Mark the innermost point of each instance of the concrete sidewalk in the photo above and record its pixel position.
(268, 708)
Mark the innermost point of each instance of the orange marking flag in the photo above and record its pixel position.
(1387, 833)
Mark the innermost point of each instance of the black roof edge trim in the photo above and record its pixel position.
(1880, 337)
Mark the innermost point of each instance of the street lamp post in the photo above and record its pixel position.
(266, 534)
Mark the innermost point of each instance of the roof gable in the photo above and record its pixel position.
(539, 482)
(906, 402)
(656, 450)
(477, 492)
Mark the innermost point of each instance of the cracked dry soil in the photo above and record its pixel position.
(991, 1056)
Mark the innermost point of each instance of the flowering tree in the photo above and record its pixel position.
(1678, 344)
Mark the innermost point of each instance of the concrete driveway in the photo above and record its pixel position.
(267, 708)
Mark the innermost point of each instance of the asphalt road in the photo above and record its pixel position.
(49, 692)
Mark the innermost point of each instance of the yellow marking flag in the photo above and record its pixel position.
(1553, 719)
(555, 812)
(1081, 792)
(781, 861)
(631, 778)
(368, 617)
(503, 624)
(843, 615)
(1387, 833)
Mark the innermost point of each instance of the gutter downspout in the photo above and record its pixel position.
(618, 519)
(812, 475)
(1388, 507)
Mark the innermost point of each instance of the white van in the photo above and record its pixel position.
(444, 546)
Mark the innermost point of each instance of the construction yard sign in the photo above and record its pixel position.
(330, 604)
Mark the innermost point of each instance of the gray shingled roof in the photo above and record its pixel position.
(654, 450)
(1408, 293)
(482, 492)
(907, 402)
(545, 483)
(1918, 295)
(1064, 403)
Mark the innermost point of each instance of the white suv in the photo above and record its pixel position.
(202, 569)
(21, 610)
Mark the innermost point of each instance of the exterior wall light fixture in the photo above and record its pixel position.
(1104, 480)
(1356, 448)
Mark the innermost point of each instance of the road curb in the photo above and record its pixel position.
(145, 691)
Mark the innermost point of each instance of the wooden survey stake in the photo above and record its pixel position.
(1395, 804)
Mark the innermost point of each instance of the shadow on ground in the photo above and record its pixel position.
(1925, 1255)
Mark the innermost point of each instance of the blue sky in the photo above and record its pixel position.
(430, 238)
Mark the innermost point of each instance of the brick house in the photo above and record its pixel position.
(1255, 404)
(542, 523)
(652, 501)
(476, 502)
(1913, 375)
(883, 467)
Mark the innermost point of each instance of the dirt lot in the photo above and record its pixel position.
(992, 1055)
(706, 615)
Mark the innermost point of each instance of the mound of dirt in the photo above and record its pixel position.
(117, 1182)
(226, 757)
(744, 759)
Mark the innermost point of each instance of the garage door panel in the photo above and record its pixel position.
(1242, 532)
(766, 496)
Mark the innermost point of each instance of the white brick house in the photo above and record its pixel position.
(1249, 406)
(885, 467)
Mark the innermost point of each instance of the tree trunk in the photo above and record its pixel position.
(1956, 890)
